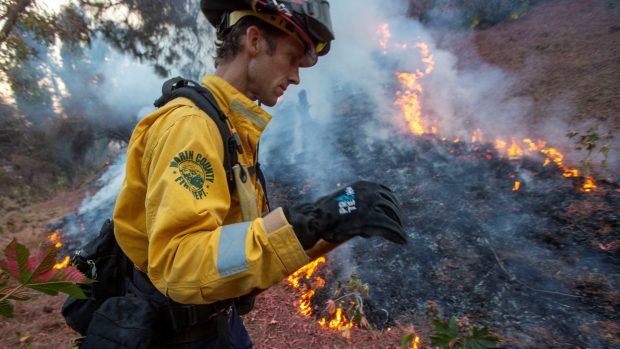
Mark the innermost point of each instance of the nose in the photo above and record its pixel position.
(293, 76)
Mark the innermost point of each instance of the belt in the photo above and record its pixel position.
(187, 322)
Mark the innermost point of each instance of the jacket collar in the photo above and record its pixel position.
(235, 104)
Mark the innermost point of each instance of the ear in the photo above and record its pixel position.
(253, 40)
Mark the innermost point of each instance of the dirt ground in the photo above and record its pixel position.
(562, 49)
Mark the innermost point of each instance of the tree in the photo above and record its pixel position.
(24, 22)
(167, 33)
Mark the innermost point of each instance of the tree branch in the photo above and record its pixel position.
(11, 18)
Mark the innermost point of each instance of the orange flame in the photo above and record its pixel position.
(311, 283)
(589, 185)
(55, 239)
(409, 97)
(415, 343)
(305, 272)
(515, 151)
(62, 264)
(516, 186)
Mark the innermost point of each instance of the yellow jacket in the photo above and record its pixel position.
(175, 218)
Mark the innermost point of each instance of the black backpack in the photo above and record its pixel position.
(103, 261)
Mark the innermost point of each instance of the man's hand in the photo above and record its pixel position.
(360, 209)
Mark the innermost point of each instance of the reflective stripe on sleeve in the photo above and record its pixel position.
(231, 249)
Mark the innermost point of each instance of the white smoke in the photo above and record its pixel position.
(110, 184)
(457, 98)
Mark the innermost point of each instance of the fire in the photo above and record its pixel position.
(415, 343)
(305, 280)
(408, 98)
(589, 185)
(514, 151)
(305, 272)
(62, 264)
(384, 33)
(557, 157)
(55, 239)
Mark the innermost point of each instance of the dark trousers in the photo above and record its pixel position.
(239, 338)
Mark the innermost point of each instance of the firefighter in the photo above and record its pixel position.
(207, 250)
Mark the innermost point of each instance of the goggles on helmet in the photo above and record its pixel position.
(307, 21)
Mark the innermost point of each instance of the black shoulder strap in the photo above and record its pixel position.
(202, 97)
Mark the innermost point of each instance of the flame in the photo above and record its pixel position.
(557, 157)
(305, 280)
(409, 97)
(62, 264)
(416, 343)
(534, 147)
(516, 186)
(305, 272)
(55, 238)
(515, 151)
(339, 321)
(589, 185)
(384, 33)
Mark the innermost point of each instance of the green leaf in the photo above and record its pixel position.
(6, 309)
(446, 334)
(481, 339)
(52, 289)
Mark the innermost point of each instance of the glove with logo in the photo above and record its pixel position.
(360, 209)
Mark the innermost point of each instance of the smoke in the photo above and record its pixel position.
(456, 98)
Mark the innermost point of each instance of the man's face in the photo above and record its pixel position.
(270, 74)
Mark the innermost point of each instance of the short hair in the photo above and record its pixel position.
(228, 42)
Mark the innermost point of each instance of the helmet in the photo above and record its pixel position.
(307, 21)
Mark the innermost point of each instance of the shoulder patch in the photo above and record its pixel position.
(193, 172)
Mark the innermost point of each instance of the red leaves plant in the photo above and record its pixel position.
(20, 270)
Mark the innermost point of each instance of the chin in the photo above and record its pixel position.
(269, 102)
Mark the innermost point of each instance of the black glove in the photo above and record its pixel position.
(360, 209)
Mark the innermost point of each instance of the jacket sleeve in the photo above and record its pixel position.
(194, 258)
